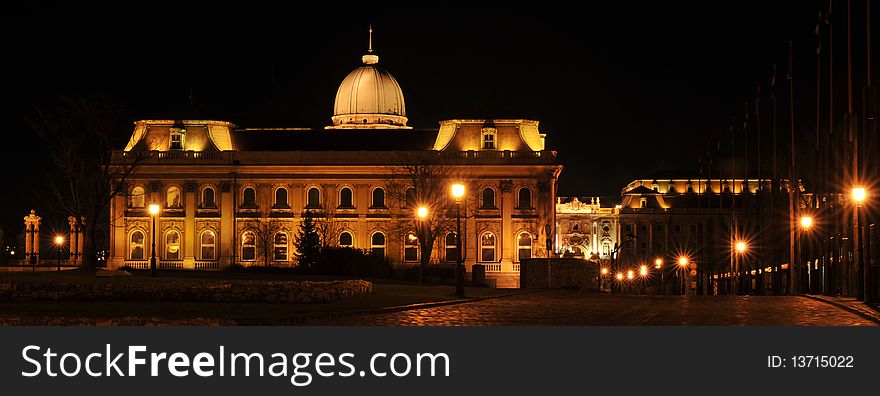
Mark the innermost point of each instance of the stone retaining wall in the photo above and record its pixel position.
(542, 273)
(289, 292)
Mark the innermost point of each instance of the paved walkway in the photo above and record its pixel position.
(575, 308)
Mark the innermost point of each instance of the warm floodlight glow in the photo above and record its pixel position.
(643, 270)
(59, 240)
(458, 190)
(806, 222)
(604, 271)
(683, 261)
(858, 195)
(154, 209)
(422, 212)
(741, 246)
(629, 274)
(658, 263)
(619, 276)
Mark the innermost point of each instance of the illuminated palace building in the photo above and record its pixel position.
(216, 181)
(673, 215)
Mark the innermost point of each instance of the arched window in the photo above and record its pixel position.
(345, 239)
(248, 246)
(136, 246)
(208, 242)
(488, 198)
(208, 198)
(451, 248)
(279, 247)
(524, 246)
(525, 198)
(249, 198)
(487, 247)
(410, 247)
(281, 198)
(378, 198)
(137, 197)
(313, 199)
(345, 198)
(377, 244)
(172, 245)
(172, 197)
(410, 197)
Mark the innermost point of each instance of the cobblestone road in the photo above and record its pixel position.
(574, 308)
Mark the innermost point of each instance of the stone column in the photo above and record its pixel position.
(188, 239)
(32, 237)
(73, 240)
(227, 240)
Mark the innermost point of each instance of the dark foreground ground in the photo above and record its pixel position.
(573, 308)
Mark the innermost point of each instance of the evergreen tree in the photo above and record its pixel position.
(308, 242)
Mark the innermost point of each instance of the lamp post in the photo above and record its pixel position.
(458, 193)
(59, 243)
(683, 266)
(154, 211)
(741, 248)
(658, 265)
(858, 197)
(806, 223)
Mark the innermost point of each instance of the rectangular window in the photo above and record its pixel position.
(487, 255)
(410, 253)
(207, 252)
(249, 253)
(280, 253)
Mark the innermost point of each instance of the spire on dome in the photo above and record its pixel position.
(369, 58)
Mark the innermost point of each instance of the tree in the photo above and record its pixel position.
(423, 179)
(308, 242)
(264, 230)
(78, 132)
(327, 227)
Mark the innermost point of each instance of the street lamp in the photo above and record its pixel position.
(643, 271)
(59, 243)
(741, 247)
(458, 193)
(683, 266)
(154, 211)
(806, 222)
(422, 212)
(858, 197)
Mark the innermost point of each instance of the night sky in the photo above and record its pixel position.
(622, 90)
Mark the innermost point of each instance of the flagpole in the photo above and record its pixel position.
(793, 186)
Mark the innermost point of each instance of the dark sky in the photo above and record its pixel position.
(621, 89)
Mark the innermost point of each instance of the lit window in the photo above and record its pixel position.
(208, 198)
(279, 247)
(281, 198)
(178, 137)
(487, 247)
(208, 242)
(172, 197)
(137, 197)
(488, 198)
(410, 247)
(249, 198)
(313, 199)
(136, 245)
(451, 248)
(524, 246)
(525, 198)
(346, 240)
(172, 245)
(378, 198)
(345, 198)
(488, 139)
(248, 246)
(377, 244)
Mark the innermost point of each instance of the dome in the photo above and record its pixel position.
(369, 98)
